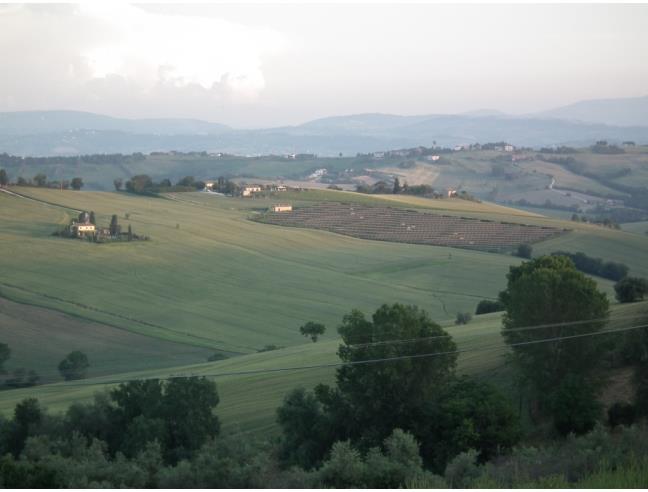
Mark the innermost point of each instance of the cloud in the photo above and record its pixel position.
(60, 54)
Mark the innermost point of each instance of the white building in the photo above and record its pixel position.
(281, 207)
(433, 157)
(509, 148)
(249, 190)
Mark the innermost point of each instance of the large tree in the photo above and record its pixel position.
(547, 299)
(4, 178)
(5, 353)
(631, 289)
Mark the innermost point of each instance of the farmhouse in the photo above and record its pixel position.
(209, 185)
(433, 157)
(509, 148)
(452, 193)
(81, 229)
(249, 190)
(281, 207)
(281, 188)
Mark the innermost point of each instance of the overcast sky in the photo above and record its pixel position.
(269, 65)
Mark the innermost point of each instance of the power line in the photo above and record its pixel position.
(354, 363)
(509, 330)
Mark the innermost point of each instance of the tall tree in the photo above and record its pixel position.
(40, 179)
(4, 178)
(550, 291)
(115, 228)
(93, 220)
(118, 183)
(631, 289)
(397, 188)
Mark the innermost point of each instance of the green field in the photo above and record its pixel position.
(210, 279)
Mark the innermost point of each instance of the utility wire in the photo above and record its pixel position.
(353, 363)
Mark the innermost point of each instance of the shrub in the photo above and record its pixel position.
(486, 306)
(463, 318)
(621, 413)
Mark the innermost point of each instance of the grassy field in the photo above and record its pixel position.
(210, 279)
(248, 401)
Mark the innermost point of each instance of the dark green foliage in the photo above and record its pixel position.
(93, 220)
(74, 366)
(76, 183)
(305, 429)
(4, 178)
(631, 289)
(187, 181)
(312, 330)
(216, 356)
(397, 187)
(5, 353)
(40, 179)
(118, 183)
(130, 233)
(574, 407)
(469, 415)
(622, 413)
(22, 378)
(550, 291)
(524, 251)
(139, 183)
(463, 318)
(115, 228)
(486, 306)
(596, 266)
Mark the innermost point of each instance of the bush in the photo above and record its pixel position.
(74, 366)
(463, 318)
(631, 289)
(524, 251)
(574, 406)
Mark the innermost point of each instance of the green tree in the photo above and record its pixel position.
(631, 289)
(397, 187)
(5, 353)
(76, 183)
(550, 294)
(187, 181)
(312, 330)
(139, 183)
(118, 183)
(574, 405)
(115, 228)
(524, 251)
(40, 179)
(4, 178)
(130, 233)
(486, 306)
(93, 220)
(74, 366)
(373, 399)
(463, 318)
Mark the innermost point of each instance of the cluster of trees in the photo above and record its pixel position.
(602, 147)
(596, 266)
(73, 366)
(40, 181)
(17, 161)
(144, 184)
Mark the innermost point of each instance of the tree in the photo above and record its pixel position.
(115, 228)
(550, 292)
(486, 306)
(471, 414)
(4, 178)
(631, 289)
(130, 233)
(574, 405)
(76, 183)
(74, 366)
(187, 181)
(463, 318)
(397, 187)
(118, 183)
(93, 220)
(139, 184)
(524, 251)
(373, 399)
(312, 330)
(5, 353)
(40, 179)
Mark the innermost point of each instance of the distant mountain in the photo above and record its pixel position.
(42, 122)
(630, 111)
(72, 133)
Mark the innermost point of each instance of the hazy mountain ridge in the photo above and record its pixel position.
(75, 132)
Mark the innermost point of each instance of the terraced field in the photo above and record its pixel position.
(409, 226)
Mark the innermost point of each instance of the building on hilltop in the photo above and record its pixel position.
(249, 190)
(281, 207)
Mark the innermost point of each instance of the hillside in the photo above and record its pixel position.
(212, 280)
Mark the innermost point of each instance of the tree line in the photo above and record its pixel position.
(40, 181)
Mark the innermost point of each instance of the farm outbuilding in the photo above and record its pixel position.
(281, 207)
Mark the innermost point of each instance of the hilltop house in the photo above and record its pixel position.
(249, 190)
(452, 193)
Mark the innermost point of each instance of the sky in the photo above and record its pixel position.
(265, 65)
